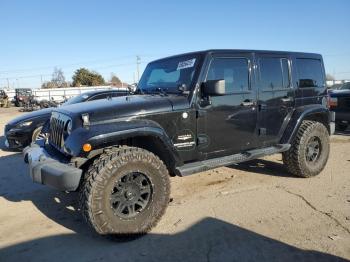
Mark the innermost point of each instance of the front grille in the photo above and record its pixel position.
(58, 123)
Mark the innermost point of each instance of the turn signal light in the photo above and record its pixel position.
(332, 102)
(87, 147)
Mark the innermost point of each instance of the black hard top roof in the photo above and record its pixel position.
(235, 51)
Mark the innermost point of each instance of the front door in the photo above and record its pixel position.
(275, 97)
(227, 123)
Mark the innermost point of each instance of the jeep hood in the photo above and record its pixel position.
(125, 106)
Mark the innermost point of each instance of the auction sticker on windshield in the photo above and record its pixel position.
(186, 64)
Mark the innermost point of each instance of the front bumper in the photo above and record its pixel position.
(46, 170)
(342, 116)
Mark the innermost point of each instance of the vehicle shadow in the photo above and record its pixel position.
(208, 240)
(342, 133)
(263, 166)
(62, 207)
(16, 186)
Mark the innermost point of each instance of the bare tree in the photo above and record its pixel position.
(58, 80)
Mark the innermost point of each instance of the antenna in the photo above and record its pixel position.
(138, 62)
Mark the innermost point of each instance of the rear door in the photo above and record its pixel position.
(275, 96)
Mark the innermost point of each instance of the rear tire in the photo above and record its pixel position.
(309, 152)
(130, 177)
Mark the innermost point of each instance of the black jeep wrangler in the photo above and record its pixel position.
(189, 113)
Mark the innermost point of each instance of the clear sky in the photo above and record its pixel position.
(106, 36)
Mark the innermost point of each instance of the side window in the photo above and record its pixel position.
(121, 93)
(274, 73)
(310, 73)
(234, 71)
(97, 97)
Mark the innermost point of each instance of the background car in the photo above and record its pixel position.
(339, 101)
(345, 86)
(22, 130)
(22, 96)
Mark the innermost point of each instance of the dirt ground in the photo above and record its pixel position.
(252, 211)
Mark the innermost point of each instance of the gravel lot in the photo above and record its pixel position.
(252, 211)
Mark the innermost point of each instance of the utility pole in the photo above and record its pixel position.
(138, 62)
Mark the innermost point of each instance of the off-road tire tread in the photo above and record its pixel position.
(99, 166)
(291, 158)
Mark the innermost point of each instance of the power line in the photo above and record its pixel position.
(41, 75)
(69, 65)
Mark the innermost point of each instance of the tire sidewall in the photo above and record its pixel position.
(106, 180)
(319, 131)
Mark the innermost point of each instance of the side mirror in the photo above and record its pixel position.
(214, 87)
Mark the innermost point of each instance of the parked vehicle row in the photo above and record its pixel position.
(23, 130)
(340, 104)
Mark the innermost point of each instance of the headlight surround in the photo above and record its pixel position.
(86, 119)
(68, 127)
(25, 124)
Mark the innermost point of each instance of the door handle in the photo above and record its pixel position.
(286, 99)
(247, 103)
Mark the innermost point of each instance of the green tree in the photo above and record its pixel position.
(85, 77)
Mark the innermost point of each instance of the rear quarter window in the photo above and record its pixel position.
(310, 73)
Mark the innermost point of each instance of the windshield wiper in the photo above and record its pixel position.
(162, 91)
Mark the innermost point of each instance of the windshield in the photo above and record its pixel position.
(76, 99)
(345, 86)
(24, 92)
(169, 74)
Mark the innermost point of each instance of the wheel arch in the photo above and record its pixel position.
(317, 113)
(152, 139)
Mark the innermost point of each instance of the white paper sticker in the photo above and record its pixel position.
(186, 64)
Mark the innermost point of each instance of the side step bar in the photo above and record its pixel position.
(201, 166)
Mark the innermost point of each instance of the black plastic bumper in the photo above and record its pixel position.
(342, 116)
(46, 170)
(18, 138)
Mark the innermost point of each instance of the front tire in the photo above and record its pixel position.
(125, 191)
(309, 152)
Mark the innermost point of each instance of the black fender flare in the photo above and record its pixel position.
(309, 112)
(103, 135)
